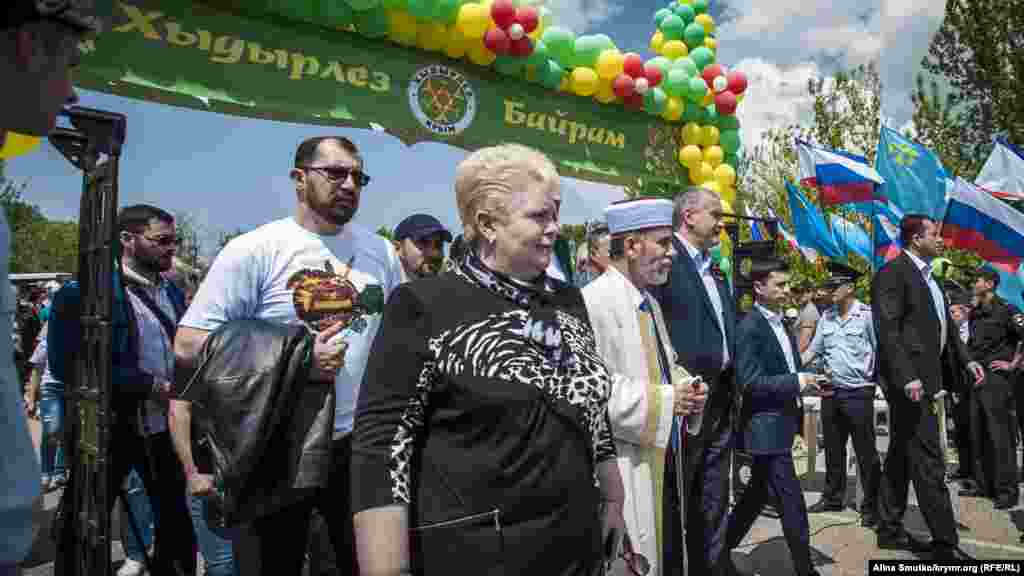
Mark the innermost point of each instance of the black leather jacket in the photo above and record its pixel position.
(266, 430)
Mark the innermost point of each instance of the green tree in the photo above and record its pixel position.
(37, 244)
(941, 127)
(979, 50)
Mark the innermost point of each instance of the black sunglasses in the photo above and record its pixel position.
(164, 241)
(340, 173)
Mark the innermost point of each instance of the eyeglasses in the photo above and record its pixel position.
(340, 173)
(164, 241)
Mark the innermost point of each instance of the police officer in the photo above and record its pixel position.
(994, 334)
(845, 342)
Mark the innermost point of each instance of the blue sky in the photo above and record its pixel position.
(230, 172)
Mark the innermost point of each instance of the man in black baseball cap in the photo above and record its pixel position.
(419, 241)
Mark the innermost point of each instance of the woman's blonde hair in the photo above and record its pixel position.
(489, 177)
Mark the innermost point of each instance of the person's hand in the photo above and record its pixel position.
(1000, 365)
(689, 399)
(200, 484)
(613, 526)
(163, 390)
(978, 372)
(914, 390)
(328, 355)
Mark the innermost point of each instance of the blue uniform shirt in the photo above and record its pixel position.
(847, 345)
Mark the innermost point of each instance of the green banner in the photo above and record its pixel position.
(186, 54)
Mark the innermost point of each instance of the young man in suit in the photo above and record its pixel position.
(917, 350)
(768, 371)
(701, 316)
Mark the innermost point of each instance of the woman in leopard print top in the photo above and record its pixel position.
(481, 439)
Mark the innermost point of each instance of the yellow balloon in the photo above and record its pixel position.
(711, 43)
(709, 136)
(714, 187)
(692, 134)
(16, 144)
(657, 42)
(457, 44)
(726, 206)
(673, 109)
(739, 97)
(584, 81)
(402, 27)
(714, 155)
(707, 173)
(566, 85)
(725, 174)
(690, 156)
(473, 20)
(432, 37)
(480, 55)
(609, 64)
(605, 94)
(674, 49)
(706, 21)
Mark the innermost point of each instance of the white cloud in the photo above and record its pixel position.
(581, 15)
(858, 44)
(776, 97)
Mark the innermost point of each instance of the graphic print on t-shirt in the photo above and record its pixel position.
(325, 297)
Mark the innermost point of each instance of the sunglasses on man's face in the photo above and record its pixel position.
(164, 241)
(340, 174)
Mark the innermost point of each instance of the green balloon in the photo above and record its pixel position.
(550, 74)
(587, 49)
(692, 114)
(676, 83)
(716, 253)
(363, 4)
(731, 160)
(395, 4)
(712, 115)
(337, 14)
(672, 27)
(684, 11)
(561, 45)
(686, 65)
(696, 88)
(539, 55)
(604, 42)
(508, 65)
(729, 140)
(422, 9)
(660, 15)
(693, 35)
(702, 56)
(447, 11)
(728, 122)
(725, 265)
(661, 63)
(655, 100)
(371, 23)
(699, 6)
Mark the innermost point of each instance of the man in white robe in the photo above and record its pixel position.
(650, 394)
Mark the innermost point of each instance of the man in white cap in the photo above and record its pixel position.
(651, 395)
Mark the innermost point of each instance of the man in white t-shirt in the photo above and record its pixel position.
(320, 269)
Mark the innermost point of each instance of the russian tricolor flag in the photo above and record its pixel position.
(985, 225)
(1003, 172)
(839, 176)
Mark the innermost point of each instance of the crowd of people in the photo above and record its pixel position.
(492, 411)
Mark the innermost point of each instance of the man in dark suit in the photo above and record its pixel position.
(767, 369)
(917, 348)
(701, 317)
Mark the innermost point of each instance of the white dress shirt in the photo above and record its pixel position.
(702, 261)
(775, 321)
(937, 299)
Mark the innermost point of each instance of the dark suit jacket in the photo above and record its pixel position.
(771, 415)
(695, 333)
(909, 331)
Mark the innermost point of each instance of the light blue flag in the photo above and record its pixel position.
(915, 181)
(1010, 285)
(811, 229)
(851, 237)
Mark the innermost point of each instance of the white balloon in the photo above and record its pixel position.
(720, 83)
(641, 86)
(516, 31)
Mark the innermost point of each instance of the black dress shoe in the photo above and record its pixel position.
(823, 506)
(948, 553)
(900, 541)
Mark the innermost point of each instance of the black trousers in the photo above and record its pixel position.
(773, 478)
(995, 456)
(157, 464)
(671, 520)
(915, 454)
(1018, 395)
(850, 413)
(962, 421)
(276, 545)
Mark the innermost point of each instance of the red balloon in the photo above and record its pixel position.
(521, 48)
(711, 72)
(528, 18)
(623, 86)
(496, 41)
(503, 12)
(653, 75)
(634, 101)
(633, 65)
(737, 82)
(725, 103)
